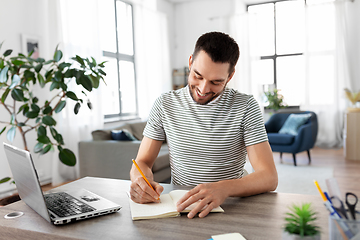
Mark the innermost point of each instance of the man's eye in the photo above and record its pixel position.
(216, 83)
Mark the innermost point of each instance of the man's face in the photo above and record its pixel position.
(207, 79)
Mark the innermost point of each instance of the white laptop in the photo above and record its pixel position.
(59, 207)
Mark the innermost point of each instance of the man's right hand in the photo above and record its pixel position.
(141, 192)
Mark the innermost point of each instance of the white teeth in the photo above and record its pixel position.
(203, 95)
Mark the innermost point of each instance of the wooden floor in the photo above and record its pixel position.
(346, 172)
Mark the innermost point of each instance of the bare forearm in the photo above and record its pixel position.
(252, 184)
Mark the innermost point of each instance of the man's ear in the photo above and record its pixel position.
(190, 61)
(230, 76)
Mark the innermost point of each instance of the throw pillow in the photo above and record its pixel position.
(293, 123)
(122, 135)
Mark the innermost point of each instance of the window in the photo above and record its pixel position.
(280, 34)
(117, 45)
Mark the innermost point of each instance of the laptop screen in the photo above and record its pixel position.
(26, 179)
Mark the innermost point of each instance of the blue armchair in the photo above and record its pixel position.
(303, 139)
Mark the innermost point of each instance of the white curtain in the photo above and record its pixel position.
(80, 34)
(152, 57)
(328, 80)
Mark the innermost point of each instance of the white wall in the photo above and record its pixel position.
(194, 18)
(35, 18)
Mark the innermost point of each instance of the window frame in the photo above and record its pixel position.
(123, 57)
(275, 56)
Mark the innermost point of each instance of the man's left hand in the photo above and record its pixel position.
(208, 196)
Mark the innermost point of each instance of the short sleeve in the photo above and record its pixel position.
(253, 124)
(154, 128)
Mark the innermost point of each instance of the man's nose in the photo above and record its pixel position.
(204, 87)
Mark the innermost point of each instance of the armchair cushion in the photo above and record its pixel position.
(281, 138)
(293, 123)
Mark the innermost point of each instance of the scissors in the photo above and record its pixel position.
(351, 200)
(339, 206)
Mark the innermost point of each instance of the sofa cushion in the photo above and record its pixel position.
(280, 138)
(162, 160)
(137, 129)
(122, 135)
(293, 123)
(99, 135)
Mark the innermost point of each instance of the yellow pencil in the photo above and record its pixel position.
(143, 175)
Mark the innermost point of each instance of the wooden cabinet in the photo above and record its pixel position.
(352, 136)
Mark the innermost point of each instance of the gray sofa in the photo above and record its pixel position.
(104, 157)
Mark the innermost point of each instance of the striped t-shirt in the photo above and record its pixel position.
(207, 143)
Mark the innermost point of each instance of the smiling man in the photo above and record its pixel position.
(209, 129)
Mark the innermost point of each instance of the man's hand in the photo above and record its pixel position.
(208, 196)
(141, 192)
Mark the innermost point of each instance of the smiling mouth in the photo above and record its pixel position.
(201, 95)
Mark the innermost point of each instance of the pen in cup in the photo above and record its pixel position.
(143, 175)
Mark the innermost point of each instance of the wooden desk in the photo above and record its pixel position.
(256, 217)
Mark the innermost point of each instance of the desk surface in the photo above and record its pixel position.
(256, 217)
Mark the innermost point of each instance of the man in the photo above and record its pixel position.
(209, 129)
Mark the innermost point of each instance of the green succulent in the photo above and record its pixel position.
(300, 220)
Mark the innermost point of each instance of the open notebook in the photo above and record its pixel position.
(166, 207)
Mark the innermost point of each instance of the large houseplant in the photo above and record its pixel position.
(19, 76)
(300, 223)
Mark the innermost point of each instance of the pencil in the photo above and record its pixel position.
(143, 175)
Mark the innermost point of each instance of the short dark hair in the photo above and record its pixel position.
(220, 47)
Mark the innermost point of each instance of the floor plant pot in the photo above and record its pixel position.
(288, 236)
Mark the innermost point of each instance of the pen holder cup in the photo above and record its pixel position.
(337, 228)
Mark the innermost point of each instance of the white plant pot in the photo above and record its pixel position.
(288, 236)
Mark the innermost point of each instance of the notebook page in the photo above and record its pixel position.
(165, 208)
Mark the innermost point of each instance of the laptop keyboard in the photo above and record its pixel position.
(64, 205)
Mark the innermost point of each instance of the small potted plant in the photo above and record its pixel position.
(300, 223)
(275, 100)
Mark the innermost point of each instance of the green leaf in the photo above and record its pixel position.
(38, 147)
(17, 94)
(48, 120)
(54, 133)
(77, 108)
(1, 132)
(46, 149)
(32, 114)
(67, 157)
(47, 110)
(60, 106)
(86, 83)
(43, 139)
(26, 109)
(12, 119)
(17, 62)
(89, 104)
(20, 124)
(72, 95)
(35, 100)
(21, 108)
(41, 131)
(3, 74)
(35, 107)
(95, 81)
(59, 139)
(38, 67)
(79, 60)
(41, 80)
(5, 94)
(7, 52)
(57, 55)
(54, 85)
(10, 135)
(102, 72)
(4, 180)
(15, 81)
